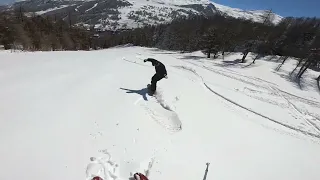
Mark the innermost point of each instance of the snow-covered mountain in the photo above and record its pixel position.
(126, 14)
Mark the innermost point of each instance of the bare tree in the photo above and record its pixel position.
(283, 58)
(299, 63)
(247, 49)
(69, 17)
(211, 42)
(260, 34)
(21, 37)
(311, 60)
(268, 17)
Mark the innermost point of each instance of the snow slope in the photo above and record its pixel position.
(254, 15)
(72, 115)
(156, 9)
(52, 9)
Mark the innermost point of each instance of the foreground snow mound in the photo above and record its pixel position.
(106, 168)
(75, 115)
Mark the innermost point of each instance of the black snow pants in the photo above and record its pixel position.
(155, 78)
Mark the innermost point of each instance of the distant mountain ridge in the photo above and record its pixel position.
(128, 14)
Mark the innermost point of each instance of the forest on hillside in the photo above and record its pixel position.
(37, 33)
(292, 37)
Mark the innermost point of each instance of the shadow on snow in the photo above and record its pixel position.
(301, 83)
(143, 92)
(192, 57)
(233, 62)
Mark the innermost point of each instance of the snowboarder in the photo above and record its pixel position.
(139, 176)
(161, 73)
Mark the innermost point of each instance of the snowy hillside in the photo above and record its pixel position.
(71, 115)
(256, 16)
(127, 14)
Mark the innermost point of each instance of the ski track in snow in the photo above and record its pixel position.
(297, 98)
(248, 109)
(220, 72)
(165, 116)
(302, 116)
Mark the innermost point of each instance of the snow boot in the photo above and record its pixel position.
(150, 92)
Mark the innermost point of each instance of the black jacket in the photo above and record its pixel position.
(160, 68)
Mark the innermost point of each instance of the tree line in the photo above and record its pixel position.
(292, 37)
(37, 33)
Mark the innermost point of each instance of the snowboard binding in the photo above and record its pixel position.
(150, 92)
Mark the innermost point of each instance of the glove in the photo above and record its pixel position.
(139, 176)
